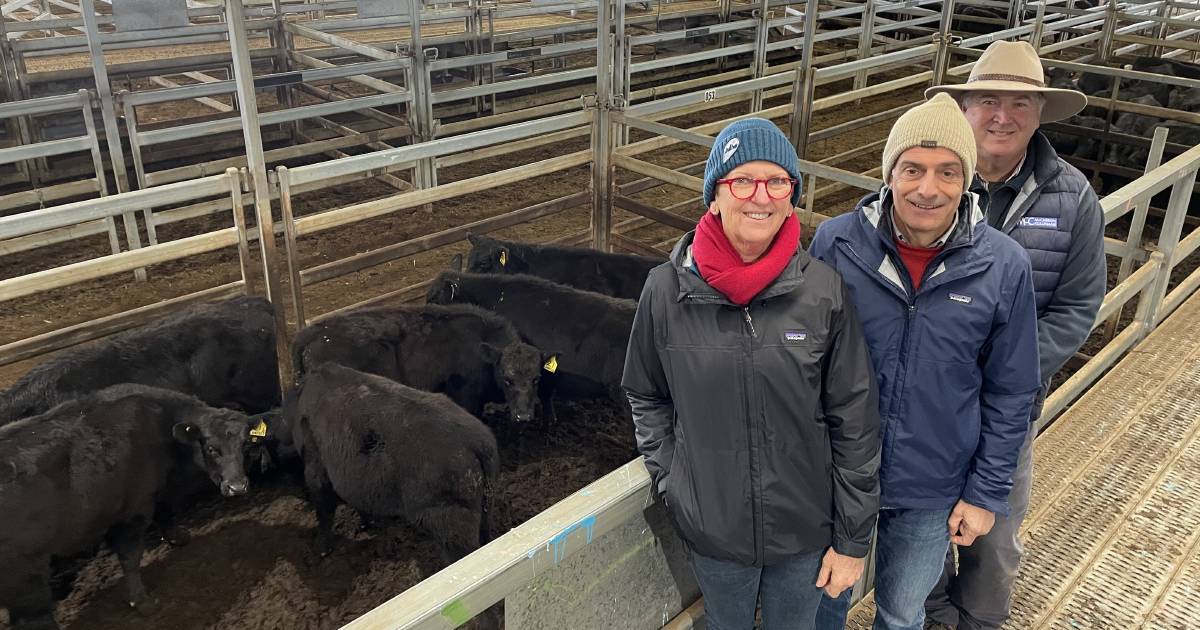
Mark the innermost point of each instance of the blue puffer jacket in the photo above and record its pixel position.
(956, 363)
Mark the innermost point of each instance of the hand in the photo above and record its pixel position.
(838, 572)
(968, 522)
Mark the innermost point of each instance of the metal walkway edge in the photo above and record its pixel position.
(1113, 534)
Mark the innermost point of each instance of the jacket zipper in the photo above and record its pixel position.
(749, 321)
(752, 430)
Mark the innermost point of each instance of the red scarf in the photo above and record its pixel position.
(722, 267)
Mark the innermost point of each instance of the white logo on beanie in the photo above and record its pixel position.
(731, 147)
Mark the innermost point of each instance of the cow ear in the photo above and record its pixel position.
(259, 428)
(186, 432)
(491, 353)
(456, 263)
(473, 238)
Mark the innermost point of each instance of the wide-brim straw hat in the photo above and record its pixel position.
(1015, 67)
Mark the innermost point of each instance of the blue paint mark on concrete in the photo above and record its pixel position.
(587, 524)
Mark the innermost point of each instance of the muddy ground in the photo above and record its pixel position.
(249, 565)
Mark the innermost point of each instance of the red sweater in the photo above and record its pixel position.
(916, 259)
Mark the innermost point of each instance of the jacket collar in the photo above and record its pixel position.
(693, 286)
(877, 210)
(964, 242)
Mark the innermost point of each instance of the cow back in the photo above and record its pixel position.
(616, 275)
(68, 475)
(389, 449)
(588, 331)
(223, 353)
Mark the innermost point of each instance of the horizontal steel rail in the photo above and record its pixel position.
(43, 105)
(517, 54)
(81, 211)
(149, 97)
(49, 148)
(699, 31)
(539, 81)
(199, 130)
(75, 273)
(704, 55)
(436, 148)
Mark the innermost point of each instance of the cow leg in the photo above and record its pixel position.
(546, 387)
(457, 527)
(323, 499)
(27, 594)
(164, 519)
(128, 541)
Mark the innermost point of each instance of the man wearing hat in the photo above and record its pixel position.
(946, 304)
(1047, 206)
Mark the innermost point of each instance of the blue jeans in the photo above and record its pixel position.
(909, 553)
(732, 591)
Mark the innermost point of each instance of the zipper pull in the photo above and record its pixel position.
(749, 322)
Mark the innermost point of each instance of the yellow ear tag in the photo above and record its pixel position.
(260, 430)
(551, 364)
(503, 258)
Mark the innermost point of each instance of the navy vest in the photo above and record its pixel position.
(1044, 213)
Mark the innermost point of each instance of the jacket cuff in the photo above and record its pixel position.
(972, 495)
(852, 549)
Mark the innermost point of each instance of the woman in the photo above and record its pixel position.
(753, 397)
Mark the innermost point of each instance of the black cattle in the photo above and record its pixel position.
(1085, 146)
(587, 331)
(618, 275)
(1131, 89)
(96, 468)
(474, 356)
(1169, 67)
(1137, 125)
(391, 451)
(1185, 99)
(222, 353)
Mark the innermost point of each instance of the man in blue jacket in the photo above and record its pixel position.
(1047, 206)
(947, 306)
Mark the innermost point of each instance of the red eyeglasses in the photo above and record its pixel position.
(745, 187)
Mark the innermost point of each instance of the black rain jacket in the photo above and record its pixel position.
(759, 425)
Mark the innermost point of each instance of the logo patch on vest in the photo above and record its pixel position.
(957, 297)
(729, 149)
(795, 336)
(1039, 222)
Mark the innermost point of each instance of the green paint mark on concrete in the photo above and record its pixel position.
(456, 613)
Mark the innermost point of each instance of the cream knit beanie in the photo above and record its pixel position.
(938, 122)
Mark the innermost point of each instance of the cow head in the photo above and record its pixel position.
(444, 289)
(489, 256)
(218, 438)
(518, 369)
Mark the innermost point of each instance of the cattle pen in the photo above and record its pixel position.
(335, 154)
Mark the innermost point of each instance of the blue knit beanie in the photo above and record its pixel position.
(748, 140)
